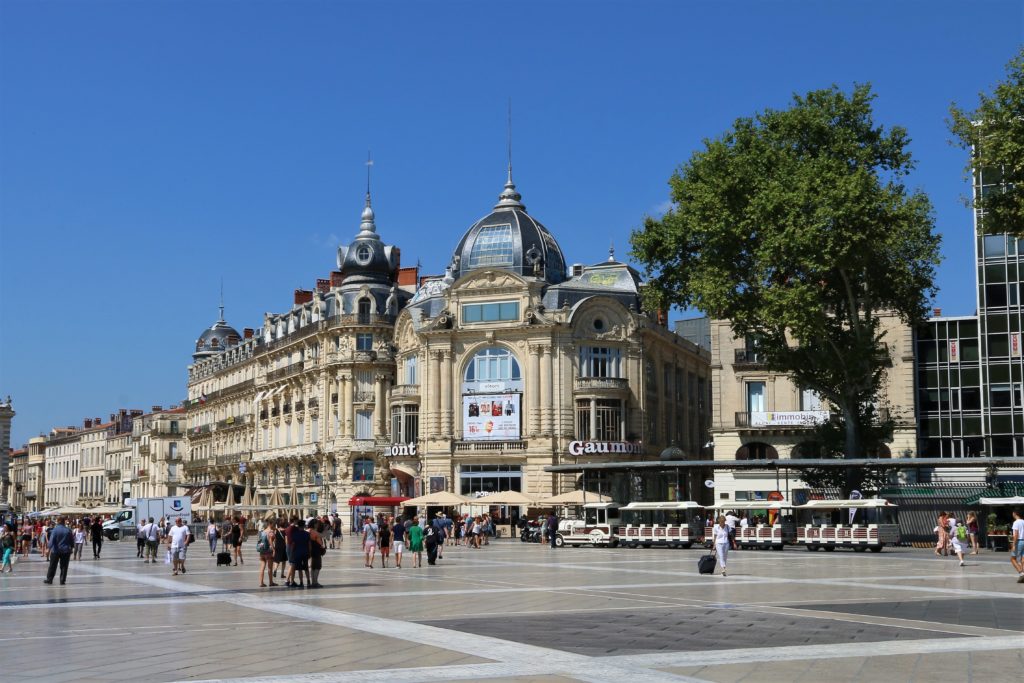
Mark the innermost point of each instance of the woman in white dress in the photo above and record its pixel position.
(720, 536)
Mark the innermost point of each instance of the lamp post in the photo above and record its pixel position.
(672, 453)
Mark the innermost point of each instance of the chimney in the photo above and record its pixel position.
(323, 286)
(122, 412)
(407, 277)
(336, 278)
(97, 422)
(398, 257)
(157, 409)
(113, 417)
(937, 312)
(248, 332)
(662, 317)
(87, 423)
(303, 296)
(136, 412)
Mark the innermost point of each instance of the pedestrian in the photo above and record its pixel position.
(337, 530)
(280, 565)
(384, 542)
(415, 532)
(59, 542)
(941, 534)
(212, 535)
(722, 542)
(140, 539)
(151, 532)
(7, 548)
(265, 549)
(177, 545)
(43, 540)
(397, 540)
(958, 541)
(1017, 544)
(972, 531)
(237, 536)
(26, 539)
(96, 533)
(79, 541)
(432, 540)
(553, 529)
(298, 557)
(369, 540)
(317, 550)
(730, 522)
(439, 531)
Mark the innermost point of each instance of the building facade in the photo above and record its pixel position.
(759, 414)
(63, 464)
(158, 450)
(6, 416)
(19, 478)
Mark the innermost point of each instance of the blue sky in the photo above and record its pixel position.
(149, 149)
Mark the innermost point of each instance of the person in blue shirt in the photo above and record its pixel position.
(61, 543)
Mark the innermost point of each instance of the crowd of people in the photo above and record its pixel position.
(19, 537)
(393, 537)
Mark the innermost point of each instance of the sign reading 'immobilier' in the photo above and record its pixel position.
(798, 418)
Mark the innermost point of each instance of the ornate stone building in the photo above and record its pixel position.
(298, 409)
(510, 362)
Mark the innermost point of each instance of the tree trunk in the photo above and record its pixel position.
(853, 448)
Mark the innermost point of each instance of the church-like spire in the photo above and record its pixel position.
(368, 228)
(510, 197)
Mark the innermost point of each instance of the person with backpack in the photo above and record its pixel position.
(432, 540)
(265, 549)
(151, 532)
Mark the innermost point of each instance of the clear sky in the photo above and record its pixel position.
(149, 149)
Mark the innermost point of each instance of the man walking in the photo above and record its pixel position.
(439, 531)
(97, 536)
(152, 534)
(60, 546)
(552, 529)
(1017, 545)
(177, 541)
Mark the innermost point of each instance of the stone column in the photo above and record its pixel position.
(378, 406)
(593, 419)
(546, 403)
(348, 388)
(446, 393)
(533, 391)
(432, 393)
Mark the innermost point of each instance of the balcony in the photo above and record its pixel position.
(200, 429)
(600, 385)
(199, 464)
(365, 356)
(314, 403)
(748, 358)
(112, 474)
(30, 495)
(299, 406)
(281, 373)
(234, 421)
(783, 420)
(492, 447)
(363, 319)
(364, 397)
(405, 391)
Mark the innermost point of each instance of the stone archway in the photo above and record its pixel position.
(757, 450)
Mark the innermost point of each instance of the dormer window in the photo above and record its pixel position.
(363, 254)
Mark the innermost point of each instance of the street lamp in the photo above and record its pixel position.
(674, 452)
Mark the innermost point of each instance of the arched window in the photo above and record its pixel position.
(493, 364)
(757, 451)
(363, 311)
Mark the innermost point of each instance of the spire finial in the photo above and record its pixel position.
(368, 228)
(222, 298)
(509, 197)
(611, 252)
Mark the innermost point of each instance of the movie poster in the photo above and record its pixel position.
(490, 416)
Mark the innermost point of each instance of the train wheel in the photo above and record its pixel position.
(876, 548)
(559, 541)
(860, 548)
(829, 548)
(614, 543)
(811, 547)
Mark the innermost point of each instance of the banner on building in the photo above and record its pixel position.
(798, 418)
(490, 416)
(954, 350)
(1015, 344)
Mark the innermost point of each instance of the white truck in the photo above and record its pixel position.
(125, 522)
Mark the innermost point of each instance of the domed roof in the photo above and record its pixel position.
(219, 337)
(367, 258)
(511, 239)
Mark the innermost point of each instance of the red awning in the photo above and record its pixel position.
(379, 501)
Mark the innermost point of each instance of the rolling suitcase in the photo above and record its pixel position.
(706, 564)
(224, 557)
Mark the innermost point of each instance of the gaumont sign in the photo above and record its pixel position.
(594, 447)
(401, 449)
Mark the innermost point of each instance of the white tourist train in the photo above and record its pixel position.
(670, 524)
(598, 527)
(774, 530)
(861, 524)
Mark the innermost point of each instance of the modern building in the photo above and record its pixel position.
(971, 368)
(760, 414)
(6, 416)
(511, 362)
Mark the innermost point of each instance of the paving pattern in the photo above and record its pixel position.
(517, 612)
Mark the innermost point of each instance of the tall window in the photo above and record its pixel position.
(809, 400)
(492, 364)
(411, 376)
(405, 423)
(362, 470)
(363, 311)
(755, 397)
(598, 361)
(364, 342)
(493, 247)
(364, 424)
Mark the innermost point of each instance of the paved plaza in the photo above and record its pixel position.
(517, 612)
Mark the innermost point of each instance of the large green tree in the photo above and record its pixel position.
(994, 132)
(796, 226)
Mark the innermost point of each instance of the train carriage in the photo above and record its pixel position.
(670, 524)
(861, 524)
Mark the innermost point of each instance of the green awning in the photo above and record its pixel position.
(1007, 489)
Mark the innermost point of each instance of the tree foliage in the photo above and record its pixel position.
(796, 226)
(994, 132)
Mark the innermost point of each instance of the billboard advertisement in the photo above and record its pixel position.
(490, 417)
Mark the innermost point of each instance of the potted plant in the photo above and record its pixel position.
(998, 534)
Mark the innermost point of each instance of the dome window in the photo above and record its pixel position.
(493, 247)
(363, 254)
(598, 324)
